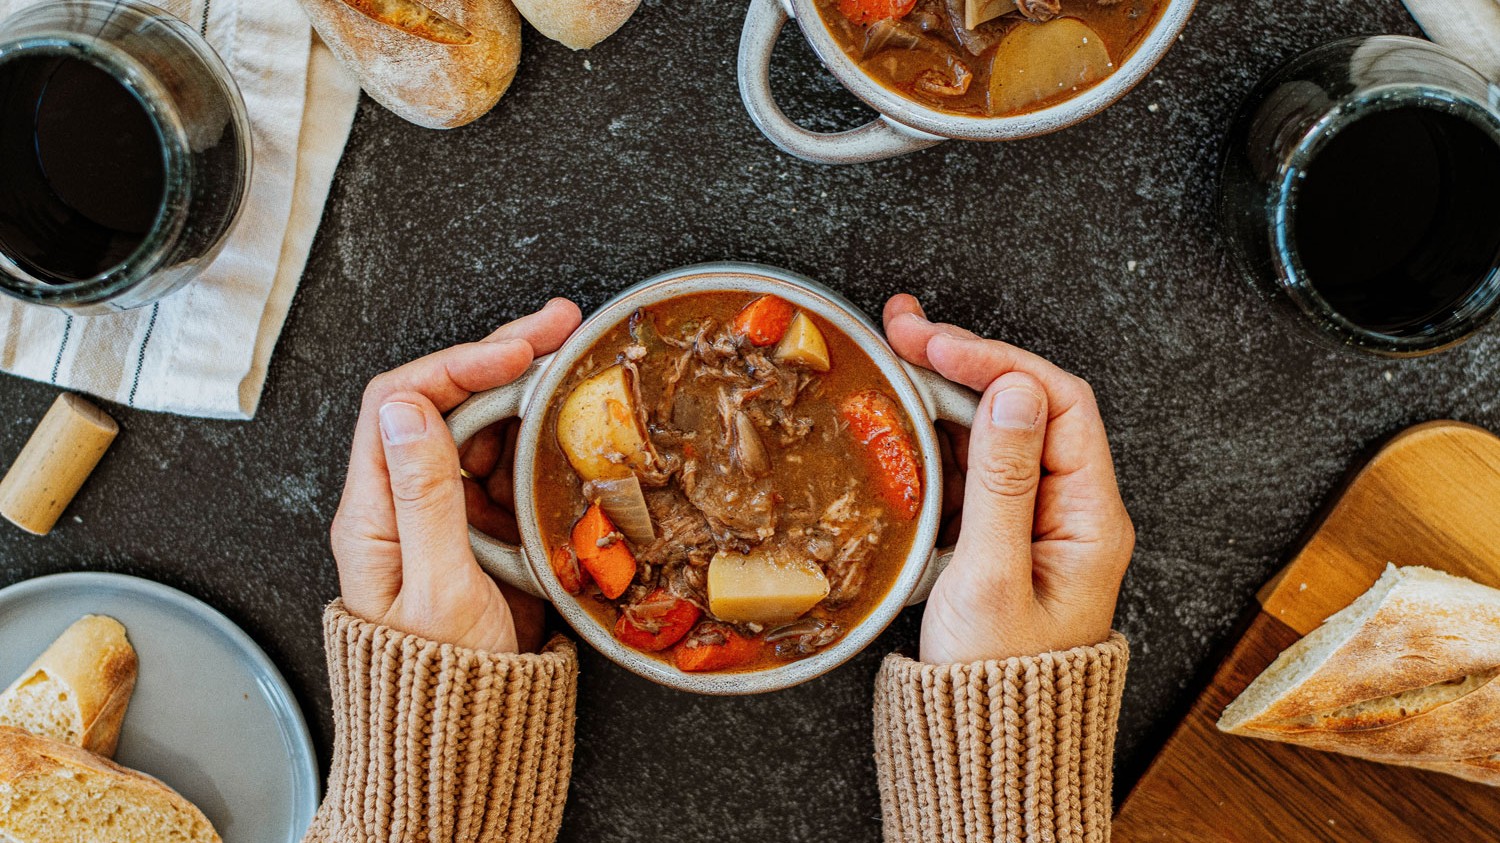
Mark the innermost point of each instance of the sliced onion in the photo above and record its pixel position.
(803, 626)
(748, 449)
(623, 501)
(893, 34)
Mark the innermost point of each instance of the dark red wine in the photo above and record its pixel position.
(1397, 219)
(82, 168)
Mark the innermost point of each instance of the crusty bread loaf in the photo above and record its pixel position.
(579, 24)
(78, 689)
(1483, 770)
(1408, 673)
(51, 792)
(437, 63)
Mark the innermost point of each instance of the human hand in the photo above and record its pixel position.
(400, 536)
(489, 462)
(1045, 538)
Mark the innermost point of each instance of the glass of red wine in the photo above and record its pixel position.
(124, 154)
(1361, 194)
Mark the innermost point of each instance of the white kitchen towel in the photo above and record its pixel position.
(204, 350)
(1470, 28)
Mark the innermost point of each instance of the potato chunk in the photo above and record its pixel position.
(599, 429)
(761, 588)
(1035, 62)
(804, 344)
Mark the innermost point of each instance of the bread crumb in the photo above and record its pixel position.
(1153, 108)
(588, 65)
(1130, 266)
(1389, 375)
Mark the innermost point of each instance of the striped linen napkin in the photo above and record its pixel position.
(204, 350)
(1470, 28)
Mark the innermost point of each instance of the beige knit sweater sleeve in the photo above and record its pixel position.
(438, 743)
(1018, 751)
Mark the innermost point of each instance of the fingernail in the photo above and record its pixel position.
(401, 423)
(1016, 408)
(917, 316)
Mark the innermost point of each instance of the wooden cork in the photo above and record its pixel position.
(62, 451)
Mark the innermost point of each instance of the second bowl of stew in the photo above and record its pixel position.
(725, 480)
(968, 69)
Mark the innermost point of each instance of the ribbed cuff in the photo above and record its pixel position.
(434, 742)
(1019, 750)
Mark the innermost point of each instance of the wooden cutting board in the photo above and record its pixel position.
(1430, 496)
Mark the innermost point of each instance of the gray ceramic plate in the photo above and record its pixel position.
(211, 715)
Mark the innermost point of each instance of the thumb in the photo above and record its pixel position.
(428, 493)
(1005, 468)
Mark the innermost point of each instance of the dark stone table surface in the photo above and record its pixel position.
(601, 168)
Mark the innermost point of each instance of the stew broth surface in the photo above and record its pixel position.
(926, 54)
(807, 473)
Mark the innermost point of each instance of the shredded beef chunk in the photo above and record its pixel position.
(1039, 10)
(682, 534)
(740, 513)
(844, 540)
(803, 637)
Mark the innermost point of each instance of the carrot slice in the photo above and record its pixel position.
(874, 420)
(765, 320)
(565, 566)
(603, 552)
(657, 622)
(870, 11)
(737, 650)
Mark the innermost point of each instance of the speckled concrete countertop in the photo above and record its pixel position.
(1096, 247)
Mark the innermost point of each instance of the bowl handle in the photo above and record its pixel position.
(502, 561)
(880, 138)
(946, 401)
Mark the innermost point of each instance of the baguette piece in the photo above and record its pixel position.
(51, 792)
(438, 63)
(78, 689)
(1484, 770)
(1409, 672)
(579, 24)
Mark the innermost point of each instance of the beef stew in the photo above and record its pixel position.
(989, 58)
(727, 482)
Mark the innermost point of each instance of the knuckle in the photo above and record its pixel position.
(1084, 390)
(1127, 536)
(345, 535)
(348, 528)
(378, 387)
(421, 480)
(1008, 473)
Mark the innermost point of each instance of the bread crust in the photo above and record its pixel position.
(433, 84)
(1431, 628)
(579, 24)
(1467, 726)
(1417, 682)
(24, 755)
(1482, 771)
(94, 661)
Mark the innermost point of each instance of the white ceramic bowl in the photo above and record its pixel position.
(925, 397)
(905, 125)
